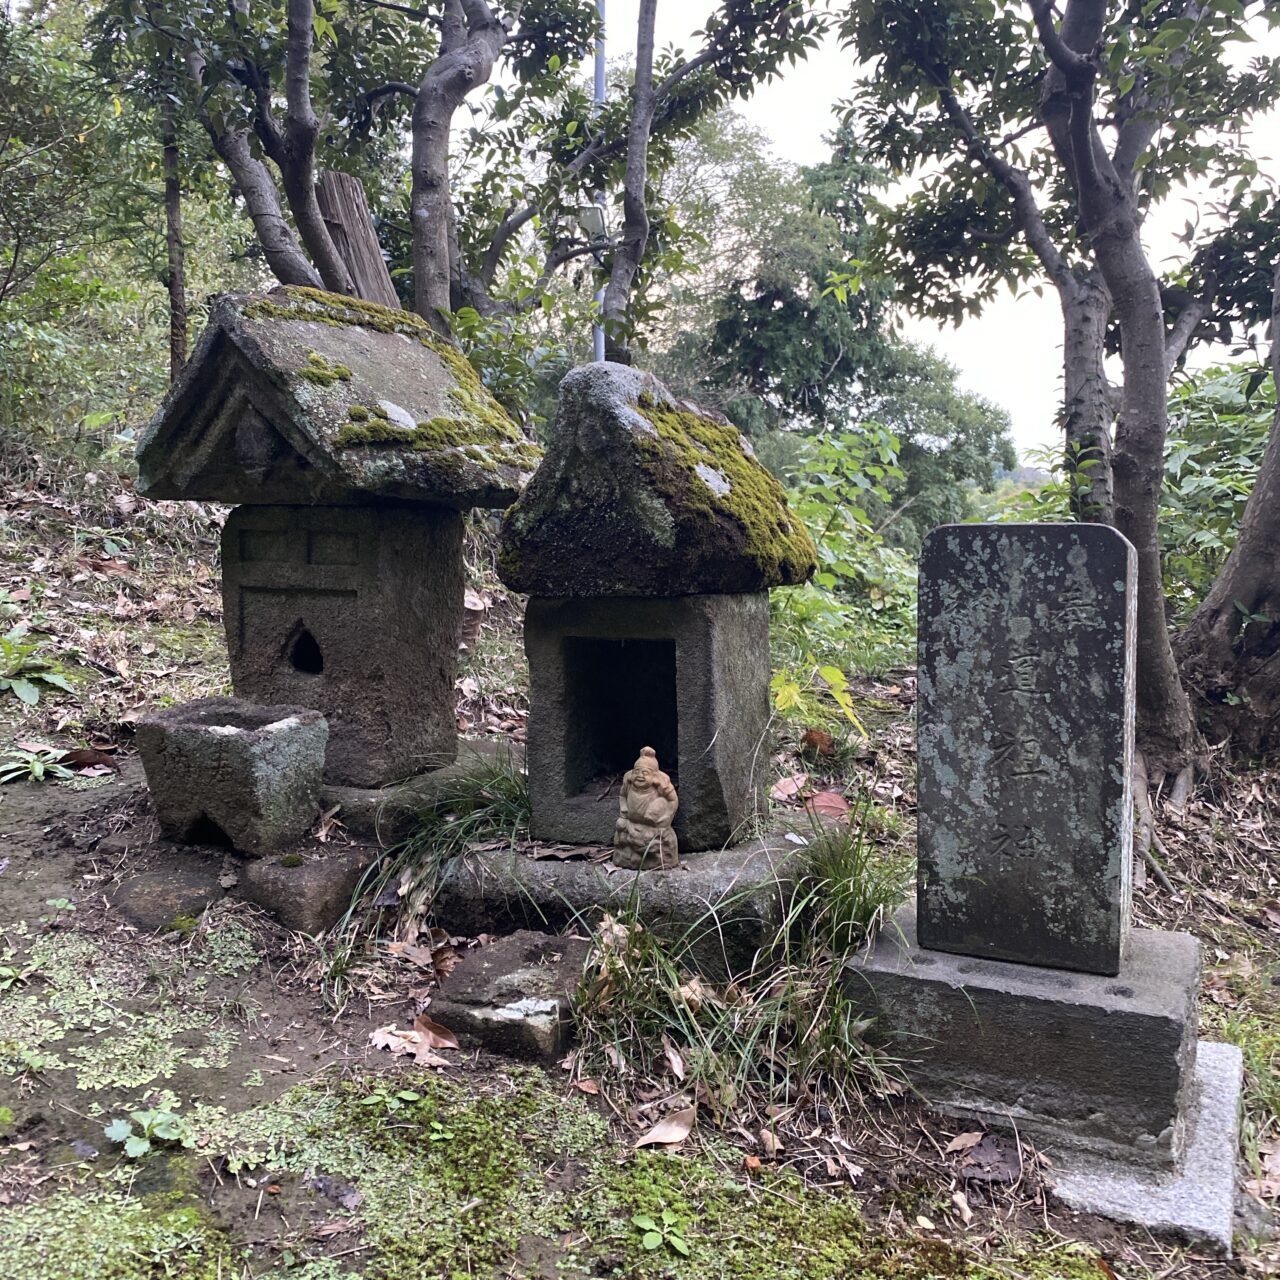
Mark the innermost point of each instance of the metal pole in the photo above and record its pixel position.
(598, 328)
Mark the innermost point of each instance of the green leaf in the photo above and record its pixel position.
(136, 1146)
(651, 1239)
(118, 1130)
(26, 691)
(644, 1222)
(678, 1245)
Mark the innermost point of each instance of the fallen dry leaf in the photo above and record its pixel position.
(675, 1128)
(770, 1141)
(924, 1223)
(964, 1141)
(433, 1034)
(830, 804)
(672, 1055)
(962, 1207)
(587, 1086)
(751, 1163)
(787, 789)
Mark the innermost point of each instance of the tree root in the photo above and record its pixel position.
(1144, 835)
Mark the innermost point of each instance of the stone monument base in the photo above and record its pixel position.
(1100, 1072)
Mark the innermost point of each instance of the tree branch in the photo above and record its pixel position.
(1187, 322)
(1076, 68)
(1030, 219)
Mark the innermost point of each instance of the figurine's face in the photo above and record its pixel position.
(646, 771)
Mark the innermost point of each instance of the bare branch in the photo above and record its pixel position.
(1077, 68)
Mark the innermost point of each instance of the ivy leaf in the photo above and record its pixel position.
(135, 1146)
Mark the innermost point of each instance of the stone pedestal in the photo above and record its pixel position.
(1103, 1074)
(355, 611)
(1076, 1059)
(224, 771)
(688, 676)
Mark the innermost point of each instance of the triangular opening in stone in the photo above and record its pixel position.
(207, 832)
(305, 655)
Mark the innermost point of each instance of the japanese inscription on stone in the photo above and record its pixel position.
(1026, 742)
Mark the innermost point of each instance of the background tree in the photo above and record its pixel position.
(1043, 144)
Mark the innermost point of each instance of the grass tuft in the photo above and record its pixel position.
(784, 1033)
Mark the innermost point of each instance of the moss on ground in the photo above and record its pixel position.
(110, 1235)
(82, 1009)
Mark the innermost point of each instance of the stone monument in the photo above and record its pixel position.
(1016, 984)
(647, 540)
(352, 438)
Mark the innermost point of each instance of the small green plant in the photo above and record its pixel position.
(666, 1229)
(157, 1125)
(24, 671)
(10, 974)
(32, 764)
(63, 905)
(393, 1101)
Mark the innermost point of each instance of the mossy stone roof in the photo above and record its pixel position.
(644, 495)
(301, 396)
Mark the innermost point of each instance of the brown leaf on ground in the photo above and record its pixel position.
(964, 1141)
(785, 790)
(770, 1141)
(587, 1086)
(675, 1128)
(433, 1034)
(829, 804)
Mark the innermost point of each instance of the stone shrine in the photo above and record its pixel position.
(1016, 986)
(353, 438)
(647, 541)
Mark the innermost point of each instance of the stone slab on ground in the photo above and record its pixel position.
(223, 770)
(1070, 1059)
(388, 813)
(726, 905)
(184, 883)
(307, 896)
(1197, 1203)
(514, 995)
(1027, 636)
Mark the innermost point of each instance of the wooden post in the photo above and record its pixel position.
(346, 214)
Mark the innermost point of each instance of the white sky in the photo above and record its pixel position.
(1012, 353)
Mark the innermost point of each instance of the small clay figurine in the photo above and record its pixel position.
(643, 839)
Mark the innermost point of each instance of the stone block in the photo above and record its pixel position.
(1076, 1060)
(1025, 743)
(183, 885)
(514, 995)
(225, 771)
(308, 893)
(687, 676)
(1195, 1202)
(354, 611)
(725, 906)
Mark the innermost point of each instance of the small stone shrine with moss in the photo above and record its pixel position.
(647, 541)
(351, 439)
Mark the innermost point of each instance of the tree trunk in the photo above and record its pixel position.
(1088, 415)
(1230, 651)
(346, 214)
(635, 210)
(471, 42)
(1110, 216)
(175, 277)
(283, 253)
